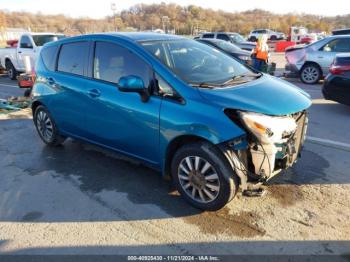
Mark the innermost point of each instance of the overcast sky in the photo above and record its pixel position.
(101, 8)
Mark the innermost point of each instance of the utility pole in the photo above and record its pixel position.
(114, 8)
(165, 21)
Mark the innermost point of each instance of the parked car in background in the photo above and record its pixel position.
(272, 35)
(336, 86)
(180, 106)
(233, 38)
(229, 48)
(345, 31)
(12, 59)
(312, 62)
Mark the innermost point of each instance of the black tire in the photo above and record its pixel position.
(27, 92)
(39, 119)
(226, 180)
(273, 38)
(310, 74)
(11, 70)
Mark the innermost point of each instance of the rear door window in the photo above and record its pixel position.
(223, 37)
(111, 62)
(73, 58)
(48, 55)
(208, 36)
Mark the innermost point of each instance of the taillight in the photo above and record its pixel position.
(339, 69)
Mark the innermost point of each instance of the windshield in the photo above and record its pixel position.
(237, 38)
(228, 47)
(196, 63)
(40, 40)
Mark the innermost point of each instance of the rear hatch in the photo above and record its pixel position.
(295, 53)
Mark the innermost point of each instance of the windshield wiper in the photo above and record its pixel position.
(238, 77)
(205, 85)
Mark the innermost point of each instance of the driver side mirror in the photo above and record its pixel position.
(134, 84)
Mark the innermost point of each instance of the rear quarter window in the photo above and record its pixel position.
(48, 56)
(343, 60)
(73, 58)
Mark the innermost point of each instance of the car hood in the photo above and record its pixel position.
(266, 95)
(242, 52)
(247, 43)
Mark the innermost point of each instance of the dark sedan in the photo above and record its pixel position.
(336, 86)
(228, 48)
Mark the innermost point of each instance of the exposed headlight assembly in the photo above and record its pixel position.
(269, 129)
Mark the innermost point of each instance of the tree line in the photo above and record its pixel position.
(186, 20)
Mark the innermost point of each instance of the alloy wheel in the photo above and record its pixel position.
(310, 74)
(198, 179)
(10, 72)
(45, 126)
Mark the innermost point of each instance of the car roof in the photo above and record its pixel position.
(221, 33)
(43, 33)
(214, 40)
(338, 36)
(129, 36)
(343, 55)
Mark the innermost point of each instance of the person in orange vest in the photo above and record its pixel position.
(261, 54)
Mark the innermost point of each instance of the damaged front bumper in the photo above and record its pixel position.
(250, 158)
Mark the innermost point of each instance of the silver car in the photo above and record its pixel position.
(312, 62)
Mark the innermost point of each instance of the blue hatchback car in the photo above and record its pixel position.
(200, 116)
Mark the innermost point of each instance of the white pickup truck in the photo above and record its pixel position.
(12, 59)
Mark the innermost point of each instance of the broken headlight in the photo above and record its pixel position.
(269, 129)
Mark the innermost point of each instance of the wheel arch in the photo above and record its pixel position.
(173, 146)
(35, 105)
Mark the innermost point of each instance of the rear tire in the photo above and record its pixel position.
(11, 70)
(210, 183)
(46, 127)
(310, 74)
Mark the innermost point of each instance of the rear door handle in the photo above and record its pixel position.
(20, 52)
(94, 93)
(50, 80)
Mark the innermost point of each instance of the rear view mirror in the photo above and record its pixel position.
(133, 83)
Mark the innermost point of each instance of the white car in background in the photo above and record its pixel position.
(12, 59)
(272, 35)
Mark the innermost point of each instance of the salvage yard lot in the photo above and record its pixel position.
(80, 199)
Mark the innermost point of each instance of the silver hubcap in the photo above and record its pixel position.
(199, 179)
(310, 74)
(10, 73)
(44, 125)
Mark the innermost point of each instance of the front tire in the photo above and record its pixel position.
(203, 176)
(11, 70)
(310, 74)
(46, 127)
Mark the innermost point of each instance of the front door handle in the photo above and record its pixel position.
(20, 52)
(94, 93)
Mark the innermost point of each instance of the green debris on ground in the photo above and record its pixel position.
(13, 104)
